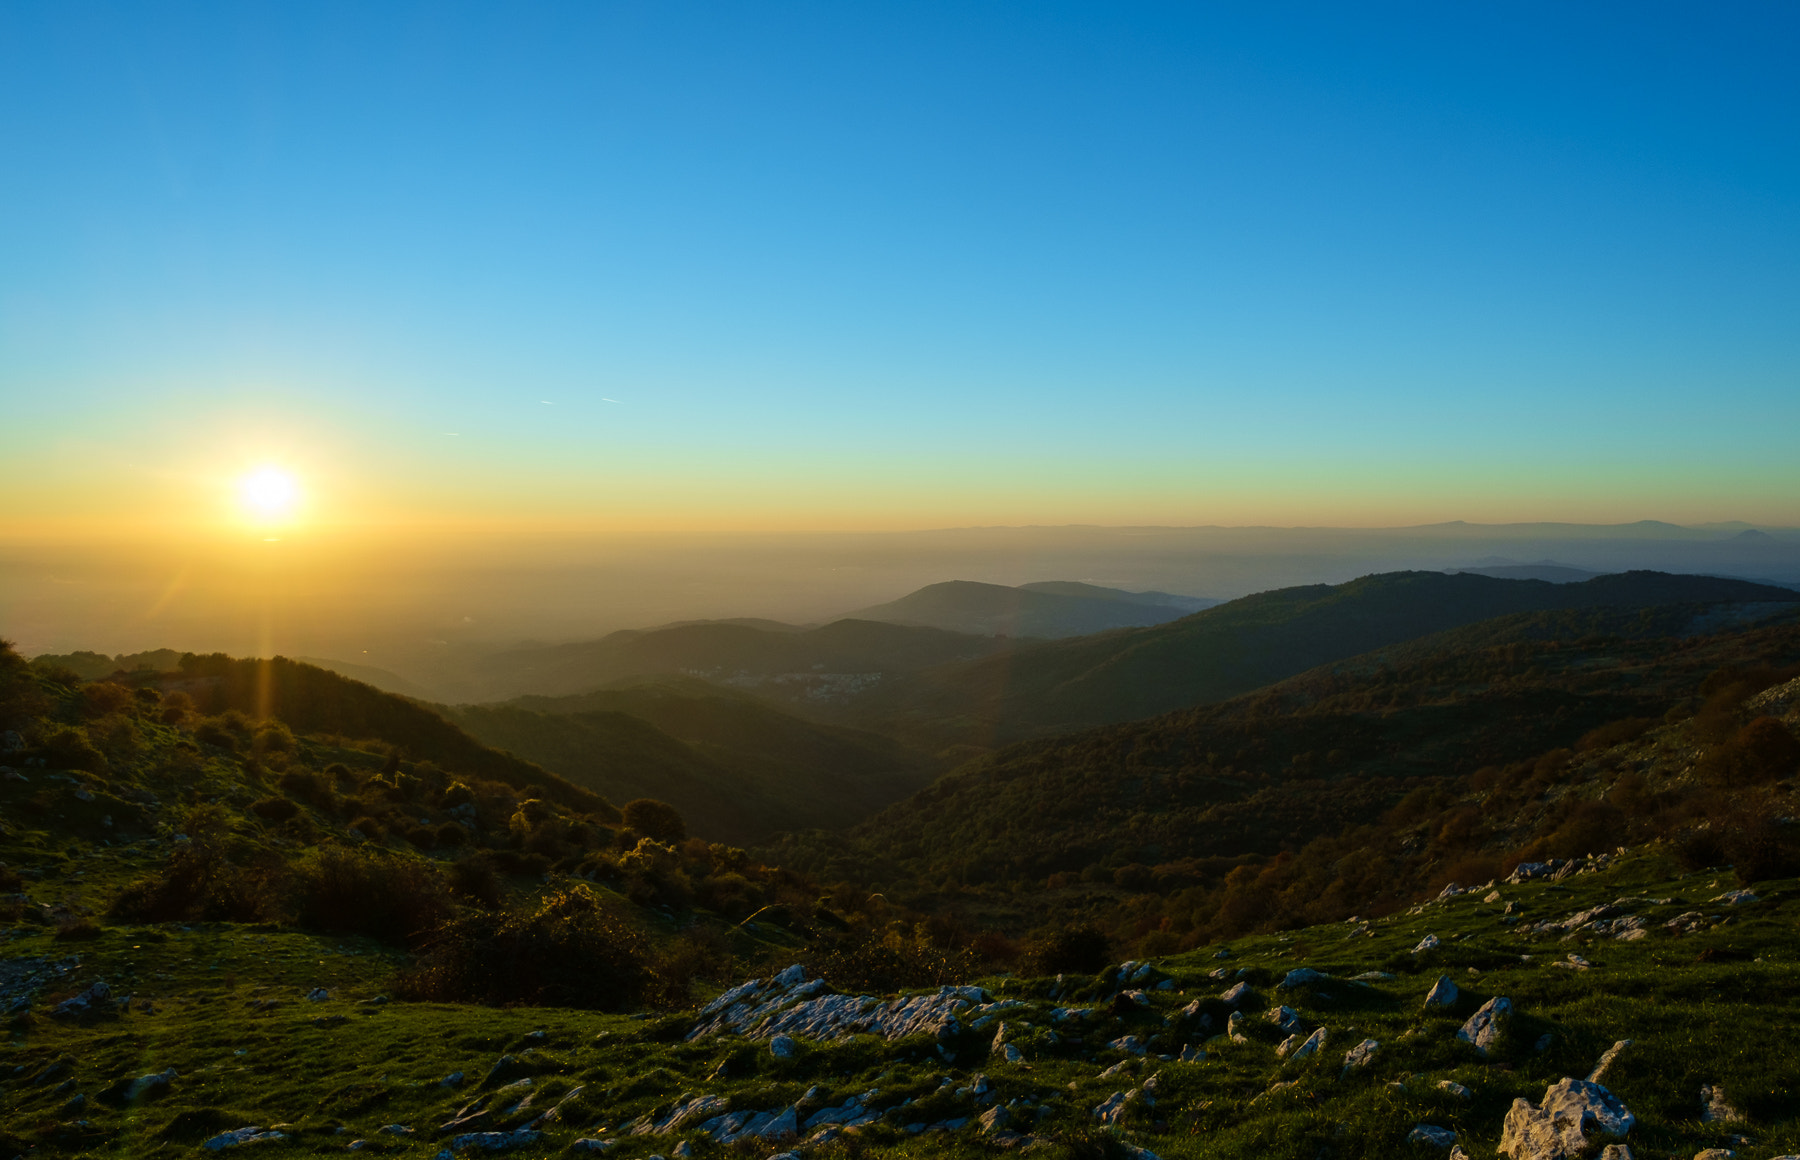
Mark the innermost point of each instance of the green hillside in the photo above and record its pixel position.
(1229, 650)
(1469, 736)
(738, 769)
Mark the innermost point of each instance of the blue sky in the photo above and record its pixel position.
(783, 265)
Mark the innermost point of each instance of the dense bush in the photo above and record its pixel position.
(71, 749)
(1080, 950)
(391, 898)
(573, 950)
(655, 820)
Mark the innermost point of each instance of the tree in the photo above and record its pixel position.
(654, 819)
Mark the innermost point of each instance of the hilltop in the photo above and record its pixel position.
(1052, 609)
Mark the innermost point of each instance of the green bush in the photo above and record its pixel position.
(71, 749)
(573, 950)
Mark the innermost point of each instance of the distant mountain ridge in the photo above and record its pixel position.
(1246, 644)
(1050, 609)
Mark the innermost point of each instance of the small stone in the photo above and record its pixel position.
(590, 1144)
(453, 1080)
(1361, 1054)
(241, 1136)
(783, 1047)
(1455, 1089)
(318, 995)
(993, 1120)
(1431, 1136)
(1619, 1152)
(1313, 1043)
(1237, 994)
(1714, 1154)
(1300, 977)
(1429, 942)
(1714, 1109)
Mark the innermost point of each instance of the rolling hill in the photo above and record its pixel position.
(1243, 645)
(738, 769)
(1051, 609)
(1188, 797)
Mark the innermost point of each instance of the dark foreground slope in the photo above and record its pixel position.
(1229, 650)
(738, 769)
(1477, 735)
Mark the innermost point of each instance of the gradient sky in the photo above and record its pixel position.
(868, 265)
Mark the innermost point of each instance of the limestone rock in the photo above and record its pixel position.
(1300, 977)
(237, 1138)
(1714, 1154)
(1443, 993)
(994, 1119)
(1572, 1112)
(590, 1144)
(1361, 1054)
(1714, 1109)
(1234, 1027)
(1286, 1019)
(1431, 1136)
(1238, 995)
(1429, 942)
(1617, 1152)
(1483, 1027)
(1313, 1043)
(783, 1047)
(1455, 1089)
(1598, 1075)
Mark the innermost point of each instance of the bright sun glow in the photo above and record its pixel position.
(269, 494)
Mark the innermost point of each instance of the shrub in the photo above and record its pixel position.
(209, 879)
(77, 930)
(452, 836)
(889, 961)
(656, 820)
(274, 809)
(573, 950)
(103, 698)
(308, 786)
(1761, 751)
(396, 899)
(70, 749)
(176, 707)
(423, 837)
(476, 880)
(1080, 950)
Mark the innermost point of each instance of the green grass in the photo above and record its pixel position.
(1730, 1020)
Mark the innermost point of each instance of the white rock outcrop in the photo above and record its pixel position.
(1443, 993)
(1568, 1124)
(1483, 1027)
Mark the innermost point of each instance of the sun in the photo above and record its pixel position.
(269, 495)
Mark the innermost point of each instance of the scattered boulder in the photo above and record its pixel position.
(1286, 1019)
(1617, 1152)
(783, 1047)
(1573, 1111)
(1300, 977)
(241, 1136)
(1428, 943)
(144, 1087)
(1431, 1136)
(496, 1141)
(994, 1119)
(1238, 995)
(1313, 1043)
(1443, 993)
(90, 1002)
(1234, 1027)
(1361, 1054)
(1483, 1027)
(1714, 1154)
(1714, 1109)
(1598, 1075)
(1455, 1089)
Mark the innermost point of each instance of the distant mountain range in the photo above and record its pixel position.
(1051, 609)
